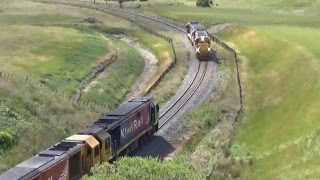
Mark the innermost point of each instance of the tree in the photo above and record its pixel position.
(120, 3)
(204, 3)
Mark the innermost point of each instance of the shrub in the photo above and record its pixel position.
(144, 168)
(6, 140)
(204, 3)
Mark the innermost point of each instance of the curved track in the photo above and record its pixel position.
(196, 80)
(200, 81)
(185, 96)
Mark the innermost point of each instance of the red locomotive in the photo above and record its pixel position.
(118, 133)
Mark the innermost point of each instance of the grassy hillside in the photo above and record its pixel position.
(111, 87)
(208, 16)
(281, 114)
(50, 43)
(280, 76)
(304, 5)
(59, 57)
(35, 117)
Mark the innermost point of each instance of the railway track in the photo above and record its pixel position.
(197, 79)
(187, 94)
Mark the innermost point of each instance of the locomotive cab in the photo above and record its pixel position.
(91, 151)
(199, 39)
(104, 139)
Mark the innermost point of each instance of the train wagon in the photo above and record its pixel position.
(56, 162)
(199, 38)
(117, 133)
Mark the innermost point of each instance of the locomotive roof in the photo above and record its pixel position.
(116, 116)
(125, 109)
(201, 32)
(195, 26)
(97, 131)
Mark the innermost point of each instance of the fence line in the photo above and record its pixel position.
(57, 93)
(236, 60)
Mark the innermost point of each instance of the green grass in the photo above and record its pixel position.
(208, 16)
(160, 47)
(205, 142)
(281, 88)
(49, 43)
(144, 168)
(280, 77)
(173, 79)
(59, 57)
(272, 4)
(112, 86)
(36, 118)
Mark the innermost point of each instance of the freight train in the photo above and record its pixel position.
(118, 133)
(199, 38)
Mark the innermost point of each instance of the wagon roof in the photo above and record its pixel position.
(19, 173)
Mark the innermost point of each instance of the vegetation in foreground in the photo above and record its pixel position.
(144, 168)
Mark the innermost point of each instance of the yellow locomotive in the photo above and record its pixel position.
(199, 39)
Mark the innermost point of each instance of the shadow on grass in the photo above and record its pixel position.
(156, 146)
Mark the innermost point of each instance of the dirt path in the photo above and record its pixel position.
(150, 67)
(96, 70)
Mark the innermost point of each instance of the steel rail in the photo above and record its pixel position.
(185, 92)
(176, 102)
(181, 31)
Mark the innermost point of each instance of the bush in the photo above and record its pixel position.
(6, 140)
(144, 168)
(204, 3)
